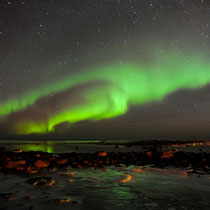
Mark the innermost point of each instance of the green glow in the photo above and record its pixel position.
(44, 146)
(121, 86)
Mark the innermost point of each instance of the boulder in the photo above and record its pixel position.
(62, 161)
(101, 153)
(59, 200)
(149, 154)
(41, 163)
(67, 173)
(17, 151)
(41, 181)
(7, 196)
(167, 154)
(14, 163)
(31, 170)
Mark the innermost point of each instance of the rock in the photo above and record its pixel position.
(59, 200)
(117, 146)
(127, 179)
(17, 151)
(77, 148)
(21, 168)
(31, 170)
(137, 170)
(28, 197)
(67, 173)
(14, 163)
(101, 153)
(167, 154)
(190, 170)
(149, 154)
(86, 162)
(41, 163)
(37, 143)
(41, 181)
(7, 196)
(120, 165)
(62, 161)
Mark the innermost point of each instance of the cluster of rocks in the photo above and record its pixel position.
(31, 162)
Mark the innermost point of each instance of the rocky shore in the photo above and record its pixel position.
(32, 162)
(37, 179)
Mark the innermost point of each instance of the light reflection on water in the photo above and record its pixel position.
(65, 146)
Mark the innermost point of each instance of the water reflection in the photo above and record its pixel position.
(44, 147)
(65, 146)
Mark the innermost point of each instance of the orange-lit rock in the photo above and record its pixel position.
(67, 173)
(21, 168)
(137, 170)
(85, 162)
(127, 179)
(149, 154)
(31, 170)
(59, 200)
(167, 154)
(41, 181)
(29, 197)
(41, 163)
(102, 153)
(14, 163)
(17, 151)
(62, 161)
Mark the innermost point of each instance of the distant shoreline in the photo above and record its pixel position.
(108, 141)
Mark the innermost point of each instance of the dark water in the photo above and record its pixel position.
(88, 146)
(67, 146)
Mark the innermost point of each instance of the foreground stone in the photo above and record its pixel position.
(14, 163)
(41, 181)
(101, 153)
(67, 173)
(41, 163)
(167, 154)
(28, 197)
(62, 161)
(59, 200)
(7, 196)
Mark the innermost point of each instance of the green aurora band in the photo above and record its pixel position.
(124, 85)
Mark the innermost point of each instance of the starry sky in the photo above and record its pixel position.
(108, 69)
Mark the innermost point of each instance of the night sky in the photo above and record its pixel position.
(117, 69)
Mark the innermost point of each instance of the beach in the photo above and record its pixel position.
(91, 184)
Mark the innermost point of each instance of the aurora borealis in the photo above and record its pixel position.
(130, 62)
